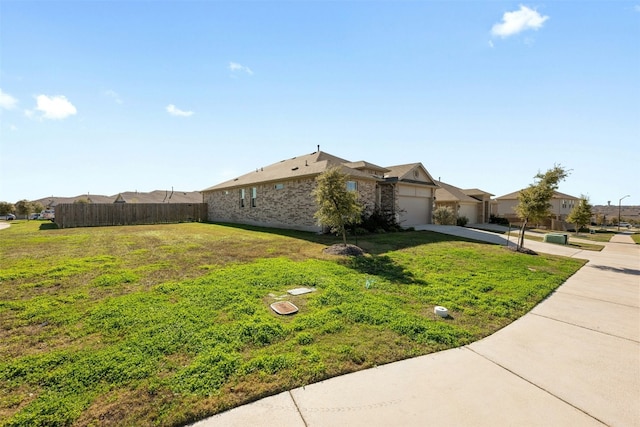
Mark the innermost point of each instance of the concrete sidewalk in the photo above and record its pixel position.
(574, 360)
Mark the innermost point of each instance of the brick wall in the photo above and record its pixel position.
(286, 204)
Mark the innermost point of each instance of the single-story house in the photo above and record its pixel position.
(561, 205)
(280, 195)
(474, 204)
(159, 196)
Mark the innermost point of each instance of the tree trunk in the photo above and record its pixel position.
(521, 236)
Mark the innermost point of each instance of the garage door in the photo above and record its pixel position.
(414, 210)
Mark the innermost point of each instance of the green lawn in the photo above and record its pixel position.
(538, 236)
(167, 324)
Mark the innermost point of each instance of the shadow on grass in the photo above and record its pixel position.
(48, 226)
(375, 263)
(381, 266)
(374, 244)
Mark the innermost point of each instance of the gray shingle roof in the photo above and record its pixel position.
(295, 168)
(556, 195)
(450, 193)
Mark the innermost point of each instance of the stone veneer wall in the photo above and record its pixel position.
(388, 198)
(290, 207)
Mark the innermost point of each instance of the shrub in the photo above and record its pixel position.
(462, 221)
(377, 221)
(494, 219)
(444, 215)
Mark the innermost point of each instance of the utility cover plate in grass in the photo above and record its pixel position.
(284, 307)
(299, 291)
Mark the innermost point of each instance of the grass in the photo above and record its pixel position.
(575, 240)
(164, 325)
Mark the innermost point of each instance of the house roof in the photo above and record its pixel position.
(556, 195)
(366, 165)
(406, 173)
(451, 193)
(476, 192)
(157, 196)
(299, 167)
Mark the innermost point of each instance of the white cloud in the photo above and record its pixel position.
(7, 101)
(54, 107)
(518, 21)
(174, 111)
(234, 66)
(113, 95)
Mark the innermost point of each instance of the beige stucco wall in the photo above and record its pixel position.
(560, 208)
(290, 207)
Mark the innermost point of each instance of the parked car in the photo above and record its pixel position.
(624, 224)
(34, 216)
(10, 217)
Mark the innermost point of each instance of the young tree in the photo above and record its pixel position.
(533, 201)
(337, 206)
(37, 207)
(24, 207)
(581, 214)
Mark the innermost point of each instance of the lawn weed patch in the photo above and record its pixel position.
(162, 325)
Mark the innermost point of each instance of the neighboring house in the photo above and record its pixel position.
(157, 196)
(474, 204)
(561, 205)
(409, 193)
(280, 195)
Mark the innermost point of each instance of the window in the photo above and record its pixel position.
(254, 193)
(279, 186)
(242, 197)
(352, 186)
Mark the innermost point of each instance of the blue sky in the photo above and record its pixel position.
(102, 97)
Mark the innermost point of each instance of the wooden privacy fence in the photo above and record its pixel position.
(69, 215)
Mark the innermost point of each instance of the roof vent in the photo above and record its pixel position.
(305, 163)
(294, 169)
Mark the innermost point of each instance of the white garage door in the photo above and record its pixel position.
(470, 211)
(414, 210)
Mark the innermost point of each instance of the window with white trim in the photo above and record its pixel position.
(352, 186)
(242, 197)
(254, 194)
